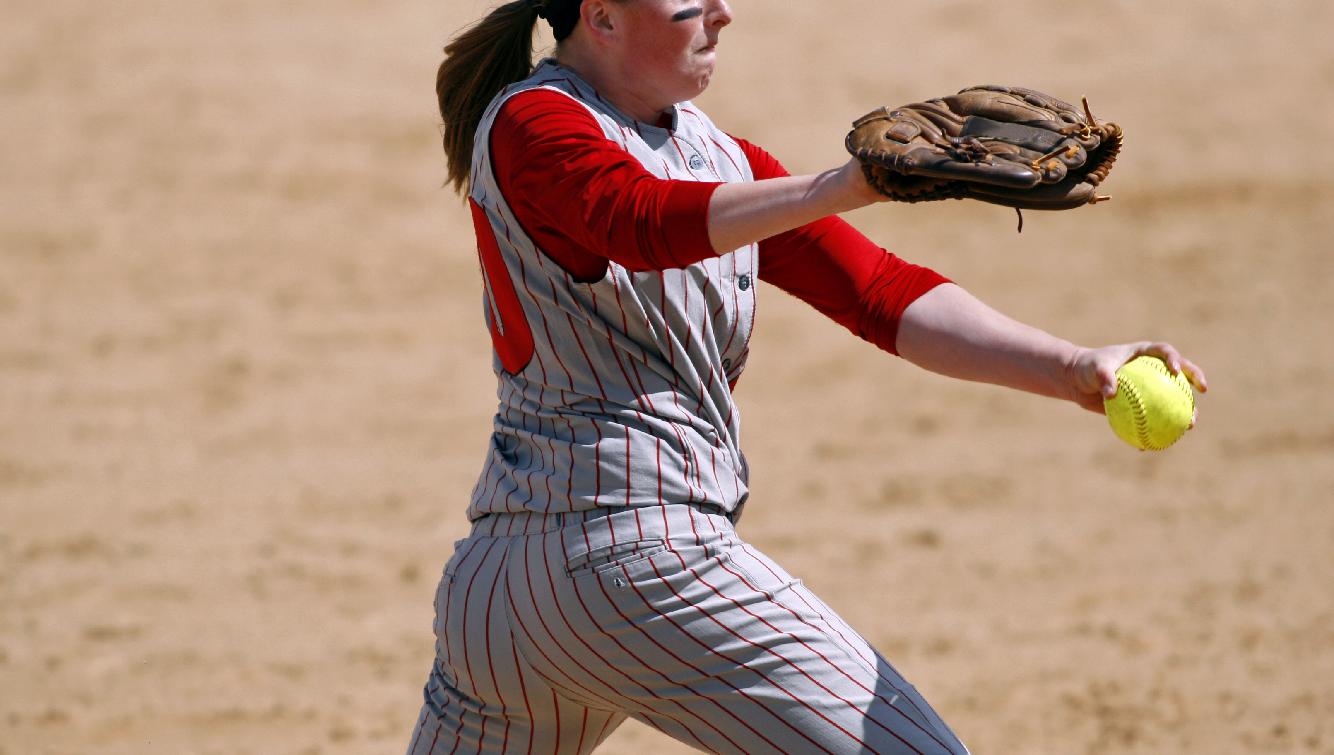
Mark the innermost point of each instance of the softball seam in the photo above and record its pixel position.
(1136, 410)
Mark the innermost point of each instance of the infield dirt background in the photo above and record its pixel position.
(245, 385)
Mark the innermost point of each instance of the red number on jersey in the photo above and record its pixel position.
(509, 328)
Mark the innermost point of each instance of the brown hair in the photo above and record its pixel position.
(487, 57)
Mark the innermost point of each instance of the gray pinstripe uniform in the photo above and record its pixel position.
(603, 577)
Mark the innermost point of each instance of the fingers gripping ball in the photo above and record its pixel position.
(1152, 408)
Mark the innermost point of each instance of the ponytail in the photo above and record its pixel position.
(494, 53)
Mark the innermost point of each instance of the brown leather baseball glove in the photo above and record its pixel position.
(1004, 145)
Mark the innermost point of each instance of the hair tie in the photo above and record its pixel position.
(563, 15)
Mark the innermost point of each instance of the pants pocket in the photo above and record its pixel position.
(615, 556)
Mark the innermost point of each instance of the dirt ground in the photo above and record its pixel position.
(245, 385)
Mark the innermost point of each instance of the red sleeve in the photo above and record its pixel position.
(834, 268)
(584, 200)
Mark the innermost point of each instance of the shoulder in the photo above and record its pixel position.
(551, 97)
(542, 110)
(762, 164)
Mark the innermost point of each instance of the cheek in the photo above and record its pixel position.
(676, 43)
(670, 54)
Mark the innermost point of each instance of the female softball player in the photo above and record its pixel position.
(621, 235)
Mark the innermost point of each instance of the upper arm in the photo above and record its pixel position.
(762, 164)
(844, 275)
(582, 196)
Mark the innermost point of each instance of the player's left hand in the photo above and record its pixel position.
(1092, 374)
(853, 176)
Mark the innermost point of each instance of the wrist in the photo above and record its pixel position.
(859, 191)
(1070, 373)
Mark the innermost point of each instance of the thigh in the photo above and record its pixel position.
(677, 622)
(894, 715)
(482, 696)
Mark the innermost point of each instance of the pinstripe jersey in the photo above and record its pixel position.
(615, 392)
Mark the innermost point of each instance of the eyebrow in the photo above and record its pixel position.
(688, 13)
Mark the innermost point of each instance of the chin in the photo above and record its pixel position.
(704, 78)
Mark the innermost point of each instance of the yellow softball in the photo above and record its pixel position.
(1152, 408)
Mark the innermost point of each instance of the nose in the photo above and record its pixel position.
(720, 14)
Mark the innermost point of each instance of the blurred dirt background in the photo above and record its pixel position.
(245, 385)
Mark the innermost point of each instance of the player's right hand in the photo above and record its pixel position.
(1092, 374)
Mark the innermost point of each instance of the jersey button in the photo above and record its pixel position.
(727, 364)
(743, 282)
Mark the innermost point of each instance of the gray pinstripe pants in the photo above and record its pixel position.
(552, 629)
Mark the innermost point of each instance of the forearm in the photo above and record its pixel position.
(950, 332)
(743, 213)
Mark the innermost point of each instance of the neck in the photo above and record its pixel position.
(601, 75)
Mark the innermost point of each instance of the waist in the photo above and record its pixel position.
(534, 523)
(612, 465)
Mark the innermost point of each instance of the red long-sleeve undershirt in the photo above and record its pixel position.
(584, 200)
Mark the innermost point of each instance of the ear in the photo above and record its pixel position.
(600, 19)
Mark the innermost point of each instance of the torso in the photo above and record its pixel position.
(623, 397)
